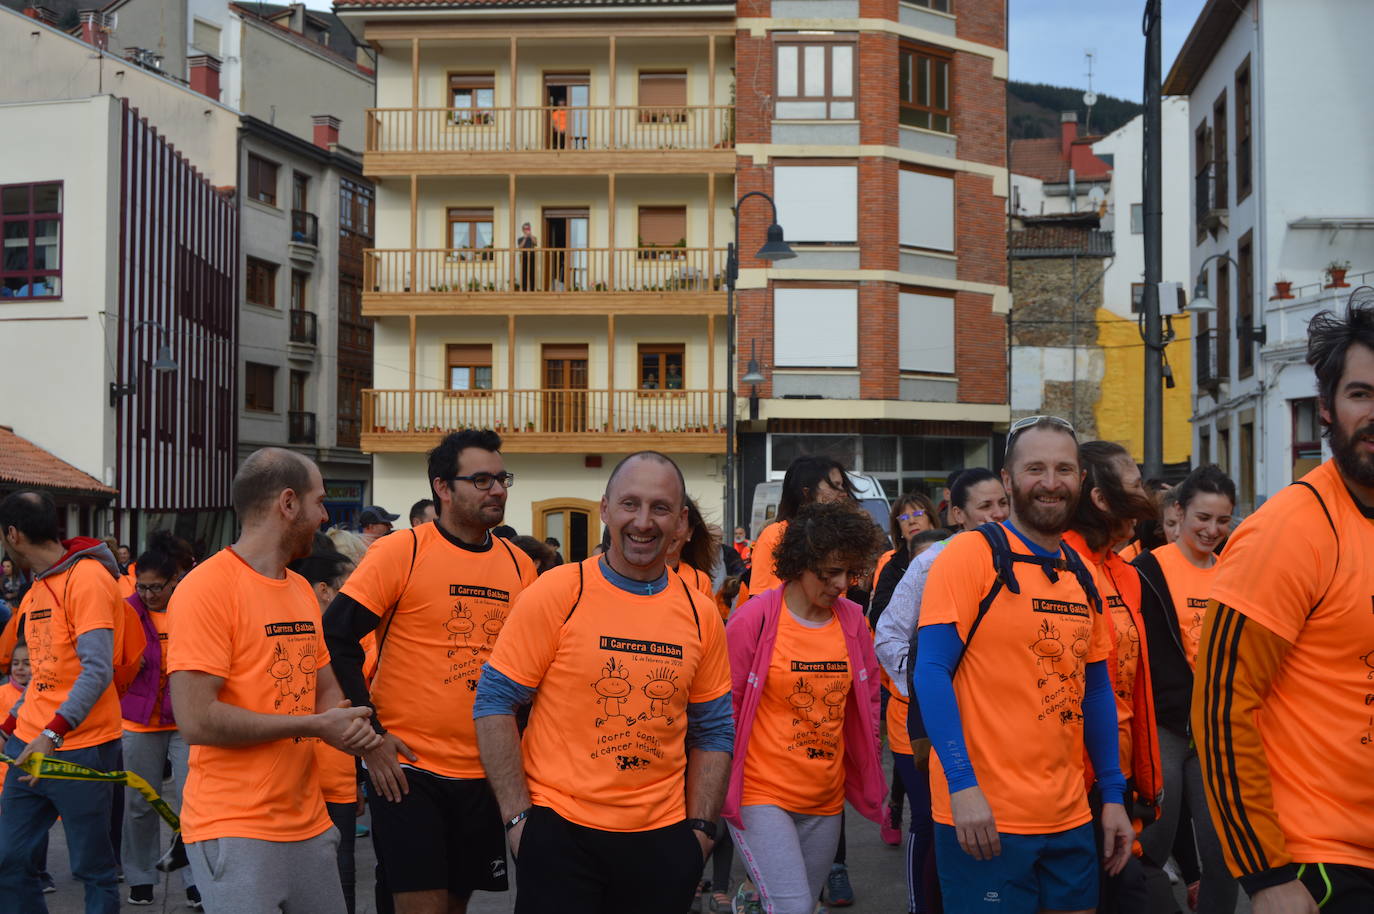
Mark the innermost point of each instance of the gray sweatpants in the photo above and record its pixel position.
(788, 855)
(1183, 784)
(249, 876)
(145, 754)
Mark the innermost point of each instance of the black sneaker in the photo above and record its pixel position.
(45, 880)
(175, 858)
(140, 894)
(193, 899)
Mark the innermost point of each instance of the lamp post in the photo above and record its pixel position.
(1153, 200)
(774, 249)
(162, 364)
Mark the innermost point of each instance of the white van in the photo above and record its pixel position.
(867, 490)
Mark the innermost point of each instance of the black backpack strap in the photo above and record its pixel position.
(691, 604)
(1075, 564)
(391, 615)
(996, 536)
(510, 553)
(1334, 532)
(578, 599)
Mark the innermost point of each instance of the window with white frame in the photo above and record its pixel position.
(926, 217)
(817, 203)
(925, 332)
(816, 328)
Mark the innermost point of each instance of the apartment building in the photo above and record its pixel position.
(609, 131)
(1281, 214)
(880, 130)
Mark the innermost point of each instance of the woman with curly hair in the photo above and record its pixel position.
(805, 694)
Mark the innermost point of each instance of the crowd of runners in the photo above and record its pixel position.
(1096, 694)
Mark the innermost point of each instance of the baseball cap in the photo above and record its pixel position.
(373, 514)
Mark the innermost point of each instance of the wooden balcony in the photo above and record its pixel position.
(548, 421)
(545, 280)
(550, 140)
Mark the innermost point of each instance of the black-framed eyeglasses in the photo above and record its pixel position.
(1020, 425)
(152, 589)
(483, 481)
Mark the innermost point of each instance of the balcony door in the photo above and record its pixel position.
(566, 97)
(565, 388)
(565, 235)
(571, 521)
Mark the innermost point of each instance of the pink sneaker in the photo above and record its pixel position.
(890, 830)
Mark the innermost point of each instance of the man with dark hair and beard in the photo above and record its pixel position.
(1010, 712)
(1281, 710)
(252, 690)
(437, 597)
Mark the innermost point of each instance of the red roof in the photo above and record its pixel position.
(1042, 159)
(459, 4)
(26, 464)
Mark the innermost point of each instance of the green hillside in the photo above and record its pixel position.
(1033, 110)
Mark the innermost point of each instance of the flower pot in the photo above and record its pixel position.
(1337, 278)
(1282, 290)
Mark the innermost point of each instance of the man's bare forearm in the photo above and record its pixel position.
(204, 720)
(328, 693)
(708, 775)
(498, 741)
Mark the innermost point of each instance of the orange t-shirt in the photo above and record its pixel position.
(763, 574)
(615, 671)
(450, 609)
(263, 637)
(1019, 686)
(898, 706)
(882, 563)
(59, 609)
(1315, 723)
(697, 578)
(155, 724)
(1131, 551)
(9, 695)
(1127, 661)
(128, 581)
(796, 751)
(1191, 588)
(338, 774)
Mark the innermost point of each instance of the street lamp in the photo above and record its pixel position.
(753, 377)
(774, 249)
(163, 364)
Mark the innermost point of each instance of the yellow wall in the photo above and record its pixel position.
(1120, 409)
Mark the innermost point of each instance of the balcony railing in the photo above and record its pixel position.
(300, 427)
(1205, 348)
(305, 227)
(303, 327)
(550, 129)
(572, 270)
(557, 412)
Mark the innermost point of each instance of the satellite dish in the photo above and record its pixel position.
(1090, 98)
(1097, 196)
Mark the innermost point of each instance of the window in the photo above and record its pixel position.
(196, 413)
(259, 387)
(818, 203)
(470, 230)
(469, 366)
(1307, 437)
(316, 33)
(926, 217)
(31, 220)
(940, 6)
(1224, 450)
(262, 180)
(1245, 306)
(661, 366)
(1223, 316)
(261, 286)
(472, 96)
(300, 191)
(1202, 187)
(923, 90)
(1138, 298)
(205, 36)
(1137, 218)
(300, 284)
(1243, 131)
(355, 207)
(1204, 447)
(925, 332)
(662, 227)
(815, 80)
(816, 328)
(224, 419)
(1247, 465)
(663, 97)
(1220, 155)
(295, 397)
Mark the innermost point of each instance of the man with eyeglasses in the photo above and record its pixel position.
(1010, 712)
(437, 597)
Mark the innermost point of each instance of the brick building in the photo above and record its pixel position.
(879, 129)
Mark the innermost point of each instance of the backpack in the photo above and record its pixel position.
(129, 639)
(1004, 561)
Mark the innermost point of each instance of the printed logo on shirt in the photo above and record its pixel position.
(632, 646)
(38, 615)
(474, 623)
(278, 629)
(638, 695)
(1115, 602)
(293, 666)
(1197, 603)
(1059, 607)
(478, 593)
(818, 711)
(820, 666)
(1062, 665)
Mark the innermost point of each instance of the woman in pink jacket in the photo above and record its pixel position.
(805, 691)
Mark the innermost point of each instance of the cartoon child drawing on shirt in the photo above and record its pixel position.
(613, 687)
(282, 671)
(491, 625)
(459, 624)
(1049, 649)
(802, 699)
(660, 688)
(833, 699)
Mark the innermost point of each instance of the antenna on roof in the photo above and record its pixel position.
(1089, 97)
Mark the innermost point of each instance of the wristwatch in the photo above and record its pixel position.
(54, 736)
(706, 828)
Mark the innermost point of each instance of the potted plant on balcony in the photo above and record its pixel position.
(1335, 272)
(1283, 289)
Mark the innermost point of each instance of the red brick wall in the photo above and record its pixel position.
(983, 21)
(878, 88)
(980, 110)
(980, 349)
(878, 338)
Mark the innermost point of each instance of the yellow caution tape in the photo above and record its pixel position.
(42, 766)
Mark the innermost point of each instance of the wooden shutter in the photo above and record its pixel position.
(662, 90)
(463, 354)
(662, 226)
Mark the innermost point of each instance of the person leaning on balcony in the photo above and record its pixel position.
(526, 243)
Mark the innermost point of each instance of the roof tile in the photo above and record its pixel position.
(26, 464)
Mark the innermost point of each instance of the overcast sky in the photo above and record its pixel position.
(1049, 37)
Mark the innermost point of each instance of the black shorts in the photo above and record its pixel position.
(573, 869)
(1339, 888)
(446, 833)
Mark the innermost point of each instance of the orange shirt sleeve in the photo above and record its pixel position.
(1104, 628)
(380, 577)
(529, 639)
(712, 678)
(1275, 573)
(763, 574)
(957, 581)
(91, 598)
(199, 626)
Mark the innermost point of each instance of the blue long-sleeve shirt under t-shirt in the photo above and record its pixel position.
(710, 724)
